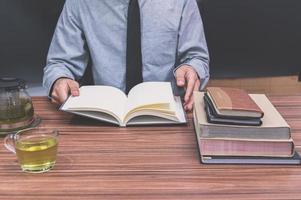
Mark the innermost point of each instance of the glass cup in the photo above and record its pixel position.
(36, 148)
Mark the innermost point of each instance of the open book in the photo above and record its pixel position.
(146, 103)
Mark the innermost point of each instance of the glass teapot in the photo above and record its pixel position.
(16, 108)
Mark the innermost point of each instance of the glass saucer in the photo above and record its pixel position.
(35, 122)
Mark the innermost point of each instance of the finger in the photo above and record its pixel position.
(55, 101)
(197, 85)
(54, 95)
(189, 105)
(74, 88)
(190, 87)
(180, 77)
(63, 93)
(60, 91)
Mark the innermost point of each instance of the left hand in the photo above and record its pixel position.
(188, 78)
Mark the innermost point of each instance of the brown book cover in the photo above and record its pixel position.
(233, 102)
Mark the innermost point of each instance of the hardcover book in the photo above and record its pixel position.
(273, 125)
(246, 147)
(146, 103)
(233, 102)
(219, 159)
(295, 160)
(213, 117)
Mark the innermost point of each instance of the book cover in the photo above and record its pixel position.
(262, 160)
(273, 125)
(233, 102)
(246, 147)
(295, 160)
(213, 117)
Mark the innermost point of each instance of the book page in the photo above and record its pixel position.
(98, 98)
(148, 116)
(152, 95)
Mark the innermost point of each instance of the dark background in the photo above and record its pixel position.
(246, 38)
(26, 29)
(250, 38)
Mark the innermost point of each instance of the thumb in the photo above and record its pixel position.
(74, 88)
(180, 77)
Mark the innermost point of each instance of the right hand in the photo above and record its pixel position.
(62, 88)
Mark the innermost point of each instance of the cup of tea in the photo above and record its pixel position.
(36, 148)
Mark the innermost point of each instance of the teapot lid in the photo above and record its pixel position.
(8, 84)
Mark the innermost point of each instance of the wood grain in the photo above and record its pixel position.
(288, 85)
(101, 161)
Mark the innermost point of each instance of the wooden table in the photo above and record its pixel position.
(98, 161)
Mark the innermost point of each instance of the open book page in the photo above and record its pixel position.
(105, 99)
(152, 117)
(154, 97)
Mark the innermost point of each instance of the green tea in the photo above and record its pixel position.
(37, 154)
(14, 113)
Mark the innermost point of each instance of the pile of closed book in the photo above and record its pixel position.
(235, 127)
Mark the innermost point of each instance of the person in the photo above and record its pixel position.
(172, 45)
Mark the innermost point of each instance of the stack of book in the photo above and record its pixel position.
(238, 128)
(231, 106)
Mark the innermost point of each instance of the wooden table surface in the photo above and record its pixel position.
(98, 161)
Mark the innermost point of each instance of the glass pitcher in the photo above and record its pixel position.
(16, 108)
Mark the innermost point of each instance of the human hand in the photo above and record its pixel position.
(62, 88)
(188, 78)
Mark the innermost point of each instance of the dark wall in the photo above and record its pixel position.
(26, 29)
(253, 37)
(245, 38)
